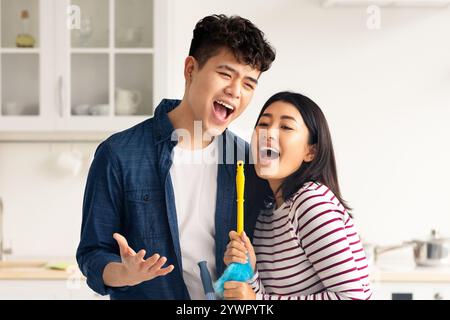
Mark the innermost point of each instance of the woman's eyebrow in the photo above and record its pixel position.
(289, 118)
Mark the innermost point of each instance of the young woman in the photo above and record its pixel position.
(306, 247)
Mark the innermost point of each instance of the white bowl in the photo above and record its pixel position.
(99, 110)
(81, 109)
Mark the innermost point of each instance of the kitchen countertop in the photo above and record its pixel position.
(34, 269)
(412, 274)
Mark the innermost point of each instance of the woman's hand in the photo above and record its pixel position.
(235, 290)
(238, 248)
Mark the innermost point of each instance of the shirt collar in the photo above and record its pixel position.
(164, 127)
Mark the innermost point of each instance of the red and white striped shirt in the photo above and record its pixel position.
(308, 249)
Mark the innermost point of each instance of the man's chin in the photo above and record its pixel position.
(213, 130)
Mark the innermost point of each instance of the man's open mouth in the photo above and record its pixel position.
(223, 110)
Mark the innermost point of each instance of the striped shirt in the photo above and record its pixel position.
(308, 249)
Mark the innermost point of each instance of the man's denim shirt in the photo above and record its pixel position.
(129, 191)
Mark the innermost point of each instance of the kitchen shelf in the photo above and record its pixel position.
(53, 137)
(20, 50)
(114, 50)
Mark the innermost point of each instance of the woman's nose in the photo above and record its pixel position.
(269, 133)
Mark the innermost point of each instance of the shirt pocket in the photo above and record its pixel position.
(146, 213)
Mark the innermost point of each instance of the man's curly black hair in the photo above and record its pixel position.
(239, 35)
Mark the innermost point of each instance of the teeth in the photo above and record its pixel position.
(226, 105)
(271, 153)
(269, 149)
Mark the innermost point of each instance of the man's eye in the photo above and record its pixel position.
(225, 74)
(249, 86)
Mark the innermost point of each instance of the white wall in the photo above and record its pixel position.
(42, 201)
(386, 95)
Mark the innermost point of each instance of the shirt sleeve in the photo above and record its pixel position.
(256, 284)
(336, 255)
(102, 207)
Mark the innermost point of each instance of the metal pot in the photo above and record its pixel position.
(434, 252)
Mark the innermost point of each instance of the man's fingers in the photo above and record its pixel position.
(164, 271)
(124, 248)
(158, 264)
(140, 255)
(151, 261)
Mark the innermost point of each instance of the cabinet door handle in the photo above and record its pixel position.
(438, 296)
(61, 96)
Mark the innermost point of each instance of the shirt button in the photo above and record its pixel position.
(146, 197)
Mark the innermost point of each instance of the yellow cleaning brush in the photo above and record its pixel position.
(236, 271)
(240, 182)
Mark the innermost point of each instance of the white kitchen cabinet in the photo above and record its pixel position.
(46, 290)
(96, 66)
(387, 3)
(410, 291)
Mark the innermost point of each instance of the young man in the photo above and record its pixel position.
(143, 207)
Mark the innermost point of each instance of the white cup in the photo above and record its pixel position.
(127, 101)
(71, 161)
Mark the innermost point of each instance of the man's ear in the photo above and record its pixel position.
(312, 149)
(189, 67)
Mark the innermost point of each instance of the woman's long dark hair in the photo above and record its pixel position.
(323, 166)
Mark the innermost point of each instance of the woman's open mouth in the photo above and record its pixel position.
(268, 154)
(222, 110)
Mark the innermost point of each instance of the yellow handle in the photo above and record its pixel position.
(240, 181)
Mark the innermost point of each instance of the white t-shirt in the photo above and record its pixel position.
(194, 180)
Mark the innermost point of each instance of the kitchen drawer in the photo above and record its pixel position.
(410, 291)
(47, 290)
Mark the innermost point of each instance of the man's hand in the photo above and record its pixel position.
(134, 269)
(235, 290)
(238, 248)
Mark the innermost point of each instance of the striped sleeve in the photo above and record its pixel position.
(327, 235)
(256, 284)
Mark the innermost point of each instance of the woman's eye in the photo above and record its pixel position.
(262, 124)
(286, 128)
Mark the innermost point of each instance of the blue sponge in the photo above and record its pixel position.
(234, 272)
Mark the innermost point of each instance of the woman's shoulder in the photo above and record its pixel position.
(312, 188)
(314, 196)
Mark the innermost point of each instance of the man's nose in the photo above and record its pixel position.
(233, 90)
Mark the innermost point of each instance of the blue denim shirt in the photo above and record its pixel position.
(129, 191)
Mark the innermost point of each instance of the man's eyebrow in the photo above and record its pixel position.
(227, 67)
